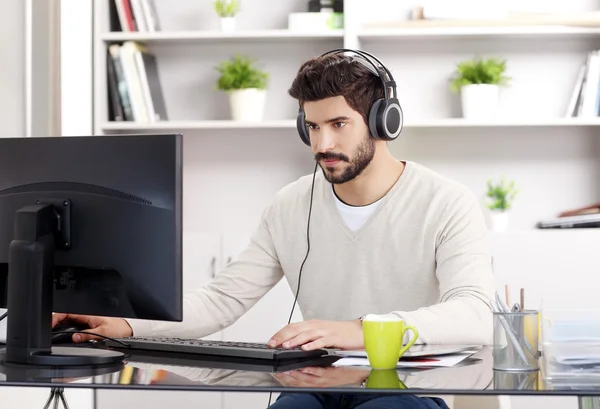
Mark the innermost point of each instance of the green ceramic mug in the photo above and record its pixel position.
(383, 337)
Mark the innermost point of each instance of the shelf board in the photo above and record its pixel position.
(423, 32)
(200, 36)
(547, 232)
(291, 124)
(210, 124)
(502, 122)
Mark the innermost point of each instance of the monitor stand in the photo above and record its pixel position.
(39, 230)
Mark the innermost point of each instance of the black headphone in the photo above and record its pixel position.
(385, 116)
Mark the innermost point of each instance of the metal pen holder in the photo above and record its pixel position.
(516, 341)
(516, 380)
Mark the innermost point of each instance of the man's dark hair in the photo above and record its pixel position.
(337, 75)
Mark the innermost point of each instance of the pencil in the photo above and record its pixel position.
(506, 295)
(522, 299)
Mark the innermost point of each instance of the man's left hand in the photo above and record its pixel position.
(317, 334)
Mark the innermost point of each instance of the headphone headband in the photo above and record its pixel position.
(382, 69)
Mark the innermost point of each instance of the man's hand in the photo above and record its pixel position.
(109, 327)
(320, 334)
(316, 377)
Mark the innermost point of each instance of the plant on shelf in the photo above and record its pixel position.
(501, 197)
(246, 87)
(479, 81)
(226, 10)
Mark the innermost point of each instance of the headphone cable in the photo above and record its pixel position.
(312, 190)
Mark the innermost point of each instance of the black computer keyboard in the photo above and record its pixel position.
(213, 348)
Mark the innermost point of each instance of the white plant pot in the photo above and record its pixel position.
(499, 221)
(480, 101)
(228, 24)
(247, 105)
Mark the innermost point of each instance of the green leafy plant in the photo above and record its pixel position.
(240, 72)
(479, 71)
(227, 8)
(501, 195)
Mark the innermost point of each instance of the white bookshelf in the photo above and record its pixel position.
(353, 36)
(543, 61)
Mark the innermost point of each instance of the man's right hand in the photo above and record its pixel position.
(107, 326)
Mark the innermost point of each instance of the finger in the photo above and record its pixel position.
(315, 371)
(85, 335)
(59, 317)
(80, 319)
(304, 377)
(285, 379)
(286, 333)
(56, 318)
(283, 335)
(319, 343)
(289, 380)
(304, 337)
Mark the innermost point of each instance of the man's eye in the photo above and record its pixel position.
(311, 126)
(339, 124)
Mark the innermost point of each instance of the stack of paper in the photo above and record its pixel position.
(359, 358)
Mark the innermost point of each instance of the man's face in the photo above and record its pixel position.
(339, 139)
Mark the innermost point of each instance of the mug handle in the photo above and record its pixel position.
(412, 341)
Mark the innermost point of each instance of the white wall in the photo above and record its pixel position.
(42, 67)
(12, 75)
(24, 111)
(76, 67)
(554, 168)
(12, 78)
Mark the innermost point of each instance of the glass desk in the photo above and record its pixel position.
(473, 376)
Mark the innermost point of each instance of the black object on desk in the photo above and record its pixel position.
(88, 225)
(228, 363)
(223, 349)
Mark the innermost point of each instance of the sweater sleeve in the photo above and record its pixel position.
(466, 282)
(228, 296)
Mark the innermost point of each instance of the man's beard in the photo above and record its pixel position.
(361, 159)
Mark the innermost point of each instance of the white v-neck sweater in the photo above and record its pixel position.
(423, 255)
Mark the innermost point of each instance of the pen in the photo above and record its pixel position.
(522, 299)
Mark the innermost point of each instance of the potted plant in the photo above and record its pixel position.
(479, 81)
(246, 87)
(227, 9)
(500, 197)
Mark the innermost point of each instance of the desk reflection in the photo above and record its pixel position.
(32, 374)
(474, 374)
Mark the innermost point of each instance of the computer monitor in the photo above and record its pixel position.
(88, 225)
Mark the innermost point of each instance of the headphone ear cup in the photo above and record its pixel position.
(386, 119)
(375, 120)
(301, 127)
(393, 119)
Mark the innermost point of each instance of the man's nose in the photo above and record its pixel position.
(325, 141)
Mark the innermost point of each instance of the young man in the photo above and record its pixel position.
(386, 236)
